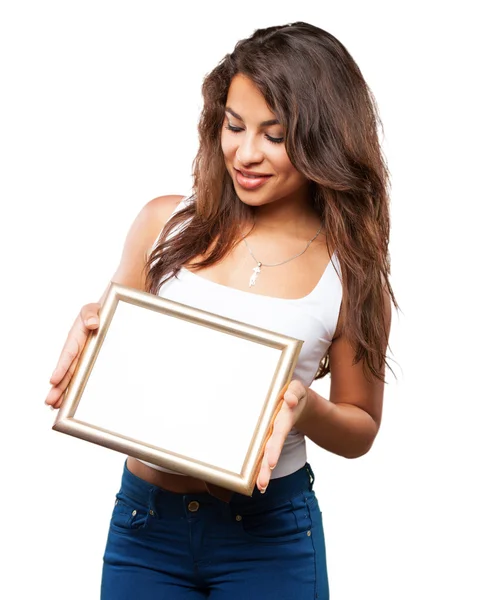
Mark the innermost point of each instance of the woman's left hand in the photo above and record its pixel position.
(294, 401)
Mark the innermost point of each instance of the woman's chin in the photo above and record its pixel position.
(252, 198)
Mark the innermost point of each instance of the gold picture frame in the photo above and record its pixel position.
(179, 387)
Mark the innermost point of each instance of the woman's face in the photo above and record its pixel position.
(251, 142)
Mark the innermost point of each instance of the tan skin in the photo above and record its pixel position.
(348, 423)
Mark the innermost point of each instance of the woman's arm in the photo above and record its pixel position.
(348, 423)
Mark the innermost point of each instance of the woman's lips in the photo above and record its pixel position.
(251, 183)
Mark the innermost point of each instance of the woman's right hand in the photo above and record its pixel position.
(87, 321)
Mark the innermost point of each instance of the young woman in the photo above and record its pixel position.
(288, 229)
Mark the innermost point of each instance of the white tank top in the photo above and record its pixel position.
(312, 319)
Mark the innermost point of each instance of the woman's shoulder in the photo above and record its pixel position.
(156, 214)
(142, 233)
(160, 209)
(153, 217)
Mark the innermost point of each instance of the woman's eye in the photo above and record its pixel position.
(268, 137)
(275, 140)
(231, 128)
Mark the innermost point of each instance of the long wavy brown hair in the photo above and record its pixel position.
(316, 90)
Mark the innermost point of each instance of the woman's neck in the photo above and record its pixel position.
(295, 219)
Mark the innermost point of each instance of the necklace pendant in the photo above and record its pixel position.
(254, 277)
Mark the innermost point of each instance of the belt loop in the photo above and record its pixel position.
(311, 475)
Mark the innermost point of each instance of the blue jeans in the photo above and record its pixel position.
(163, 545)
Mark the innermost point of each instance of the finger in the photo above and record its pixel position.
(65, 382)
(291, 399)
(68, 355)
(295, 392)
(264, 474)
(59, 402)
(296, 387)
(86, 321)
(282, 426)
(89, 315)
(55, 396)
(264, 477)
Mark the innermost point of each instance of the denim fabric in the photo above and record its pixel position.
(163, 545)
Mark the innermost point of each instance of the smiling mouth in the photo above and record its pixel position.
(250, 182)
(251, 175)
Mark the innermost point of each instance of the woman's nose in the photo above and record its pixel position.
(248, 150)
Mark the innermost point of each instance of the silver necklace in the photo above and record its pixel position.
(259, 264)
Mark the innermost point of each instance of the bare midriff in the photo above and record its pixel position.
(180, 484)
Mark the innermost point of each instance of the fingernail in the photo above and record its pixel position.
(263, 490)
(271, 468)
(52, 408)
(92, 321)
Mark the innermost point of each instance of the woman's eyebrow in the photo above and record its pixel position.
(263, 124)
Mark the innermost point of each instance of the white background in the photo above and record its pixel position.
(99, 107)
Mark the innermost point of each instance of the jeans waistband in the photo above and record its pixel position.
(279, 489)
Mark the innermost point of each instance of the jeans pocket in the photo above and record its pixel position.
(288, 521)
(128, 515)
